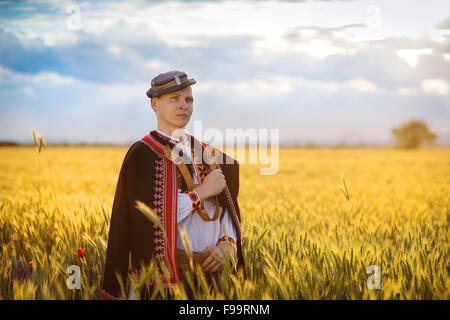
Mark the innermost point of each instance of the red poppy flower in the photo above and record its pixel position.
(30, 265)
(393, 241)
(81, 253)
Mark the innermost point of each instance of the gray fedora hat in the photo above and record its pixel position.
(169, 82)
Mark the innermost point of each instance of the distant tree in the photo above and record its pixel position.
(413, 134)
(310, 144)
(8, 143)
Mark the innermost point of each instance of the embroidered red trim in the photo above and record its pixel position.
(202, 171)
(195, 199)
(227, 239)
(107, 296)
(166, 137)
(165, 203)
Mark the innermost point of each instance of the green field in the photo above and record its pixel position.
(305, 234)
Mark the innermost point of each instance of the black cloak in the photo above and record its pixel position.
(147, 175)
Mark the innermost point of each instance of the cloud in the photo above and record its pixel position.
(88, 59)
(411, 55)
(437, 86)
(297, 66)
(376, 61)
(71, 109)
(444, 24)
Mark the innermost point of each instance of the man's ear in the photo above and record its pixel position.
(153, 103)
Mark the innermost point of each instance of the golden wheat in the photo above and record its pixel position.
(309, 232)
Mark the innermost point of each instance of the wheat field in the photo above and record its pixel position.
(309, 232)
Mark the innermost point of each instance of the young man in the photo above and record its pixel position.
(197, 197)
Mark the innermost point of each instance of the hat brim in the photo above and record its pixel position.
(153, 94)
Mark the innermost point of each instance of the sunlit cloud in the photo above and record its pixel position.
(363, 85)
(435, 86)
(411, 56)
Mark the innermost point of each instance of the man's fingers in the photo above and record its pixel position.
(209, 258)
(213, 267)
(218, 264)
(215, 259)
(218, 267)
(209, 249)
(210, 264)
(207, 261)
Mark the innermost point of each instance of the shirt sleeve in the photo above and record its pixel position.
(227, 227)
(184, 206)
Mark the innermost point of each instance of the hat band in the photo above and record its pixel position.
(177, 81)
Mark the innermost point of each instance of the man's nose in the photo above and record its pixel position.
(184, 105)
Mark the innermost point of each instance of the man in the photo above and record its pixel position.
(190, 196)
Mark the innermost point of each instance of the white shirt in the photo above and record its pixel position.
(201, 233)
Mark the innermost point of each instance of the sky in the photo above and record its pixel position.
(324, 72)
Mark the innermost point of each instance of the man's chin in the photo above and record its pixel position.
(182, 123)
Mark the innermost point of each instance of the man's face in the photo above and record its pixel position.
(174, 109)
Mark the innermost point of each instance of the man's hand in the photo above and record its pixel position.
(223, 252)
(213, 184)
